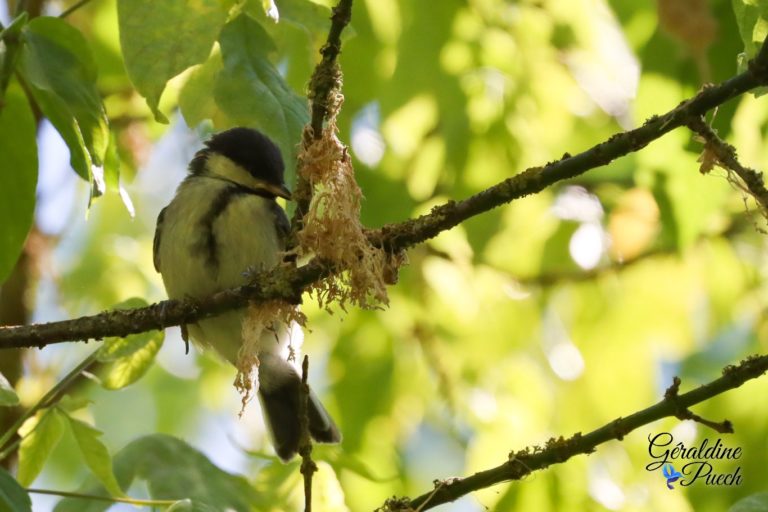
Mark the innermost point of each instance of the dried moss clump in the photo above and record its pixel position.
(331, 228)
(274, 317)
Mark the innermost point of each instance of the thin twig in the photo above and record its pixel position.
(11, 40)
(323, 88)
(49, 399)
(132, 501)
(726, 157)
(326, 78)
(534, 458)
(21, 6)
(287, 283)
(73, 8)
(308, 466)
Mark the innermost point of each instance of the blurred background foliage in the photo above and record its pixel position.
(552, 315)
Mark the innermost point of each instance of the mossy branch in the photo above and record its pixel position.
(524, 462)
(287, 283)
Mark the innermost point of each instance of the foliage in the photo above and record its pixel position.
(550, 316)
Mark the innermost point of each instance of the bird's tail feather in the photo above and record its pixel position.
(280, 405)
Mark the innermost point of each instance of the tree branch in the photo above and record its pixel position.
(282, 283)
(536, 179)
(530, 459)
(287, 283)
(73, 8)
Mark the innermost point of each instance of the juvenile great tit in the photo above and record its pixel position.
(223, 221)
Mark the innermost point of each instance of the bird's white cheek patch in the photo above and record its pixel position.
(228, 169)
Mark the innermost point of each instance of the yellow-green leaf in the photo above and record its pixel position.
(18, 176)
(162, 39)
(58, 65)
(129, 368)
(13, 497)
(8, 396)
(41, 434)
(196, 97)
(251, 92)
(96, 455)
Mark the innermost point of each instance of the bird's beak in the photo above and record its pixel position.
(280, 191)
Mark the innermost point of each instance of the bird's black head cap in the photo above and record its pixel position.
(250, 149)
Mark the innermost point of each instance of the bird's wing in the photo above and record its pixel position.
(156, 241)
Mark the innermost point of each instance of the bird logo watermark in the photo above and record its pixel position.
(671, 474)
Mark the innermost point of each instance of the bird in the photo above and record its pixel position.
(223, 222)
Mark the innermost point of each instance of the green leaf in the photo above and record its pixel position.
(341, 460)
(131, 356)
(556, 246)
(96, 455)
(128, 369)
(58, 65)
(18, 176)
(305, 14)
(112, 164)
(116, 348)
(112, 174)
(251, 92)
(191, 506)
(91, 488)
(175, 470)
(752, 19)
(55, 109)
(40, 435)
(162, 39)
(13, 497)
(131, 303)
(755, 503)
(196, 97)
(180, 506)
(8, 396)
(69, 403)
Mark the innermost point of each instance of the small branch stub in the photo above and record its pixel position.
(308, 466)
(683, 413)
(719, 153)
